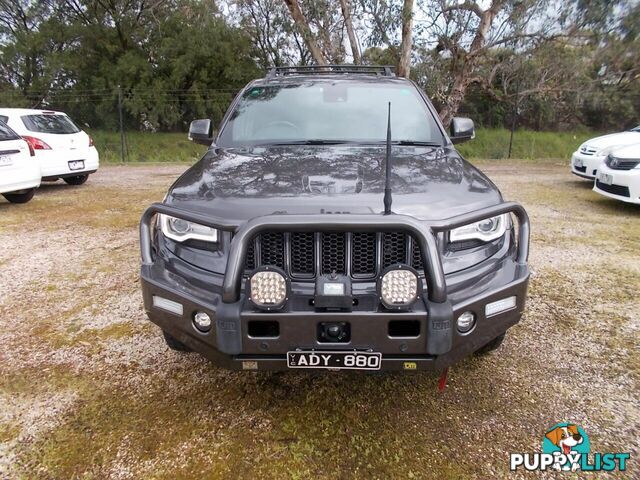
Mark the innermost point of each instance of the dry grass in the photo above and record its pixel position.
(88, 388)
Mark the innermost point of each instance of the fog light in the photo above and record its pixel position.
(399, 287)
(466, 322)
(202, 321)
(268, 289)
(168, 305)
(500, 306)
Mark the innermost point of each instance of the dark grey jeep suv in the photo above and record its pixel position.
(332, 224)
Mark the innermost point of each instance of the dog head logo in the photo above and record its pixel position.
(565, 438)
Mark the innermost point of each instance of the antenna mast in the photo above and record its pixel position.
(387, 175)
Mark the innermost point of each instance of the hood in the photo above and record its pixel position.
(629, 152)
(613, 139)
(238, 184)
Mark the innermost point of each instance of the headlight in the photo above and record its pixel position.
(181, 230)
(485, 230)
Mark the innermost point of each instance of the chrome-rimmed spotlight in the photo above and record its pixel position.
(268, 288)
(398, 287)
(202, 321)
(466, 322)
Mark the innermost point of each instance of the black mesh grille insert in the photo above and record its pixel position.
(272, 249)
(251, 256)
(394, 248)
(299, 252)
(333, 252)
(363, 254)
(416, 256)
(303, 254)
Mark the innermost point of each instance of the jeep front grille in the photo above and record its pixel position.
(360, 255)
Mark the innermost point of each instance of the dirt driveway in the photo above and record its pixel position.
(89, 389)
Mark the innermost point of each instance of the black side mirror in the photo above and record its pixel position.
(201, 131)
(462, 129)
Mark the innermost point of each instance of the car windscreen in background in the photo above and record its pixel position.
(3, 119)
(49, 124)
(6, 133)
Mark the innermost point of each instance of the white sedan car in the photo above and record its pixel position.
(586, 160)
(619, 176)
(19, 170)
(62, 149)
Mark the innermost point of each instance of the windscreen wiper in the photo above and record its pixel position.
(416, 143)
(314, 142)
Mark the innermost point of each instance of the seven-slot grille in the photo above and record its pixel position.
(361, 255)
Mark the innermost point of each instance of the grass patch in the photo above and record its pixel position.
(147, 147)
(493, 143)
(488, 144)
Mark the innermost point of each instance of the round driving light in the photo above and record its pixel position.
(202, 321)
(268, 289)
(466, 322)
(398, 287)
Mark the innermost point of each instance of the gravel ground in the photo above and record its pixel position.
(89, 389)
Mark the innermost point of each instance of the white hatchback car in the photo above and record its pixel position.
(19, 170)
(586, 160)
(63, 150)
(619, 176)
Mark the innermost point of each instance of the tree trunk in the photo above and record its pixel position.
(305, 31)
(353, 41)
(454, 99)
(463, 76)
(404, 63)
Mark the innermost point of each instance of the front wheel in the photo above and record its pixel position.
(77, 180)
(23, 197)
(492, 345)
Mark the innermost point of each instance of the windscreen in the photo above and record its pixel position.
(48, 123)
(6, 133)
(330, 110)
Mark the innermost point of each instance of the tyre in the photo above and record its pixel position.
(492, 345)
(23, 197)
(174, 344)
(77, 180)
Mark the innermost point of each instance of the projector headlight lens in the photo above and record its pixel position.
(399, 287)
(268, 289)
(181, 230)
(485, 230)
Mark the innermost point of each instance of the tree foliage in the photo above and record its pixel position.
(553, 64)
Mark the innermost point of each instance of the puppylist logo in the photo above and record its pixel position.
(566, 447)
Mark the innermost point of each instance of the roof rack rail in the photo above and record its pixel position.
(382, 70)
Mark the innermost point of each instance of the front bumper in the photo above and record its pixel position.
(55, 164)
(585, 166)
(625, 185)
(437, 345)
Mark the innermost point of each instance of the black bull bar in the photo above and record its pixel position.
(439, 308)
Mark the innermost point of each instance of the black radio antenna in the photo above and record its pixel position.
(387, 174)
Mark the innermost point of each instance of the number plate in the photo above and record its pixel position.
(76, 165)
(335, 360)
(605, 178)
(577, 162)
(5, 161)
